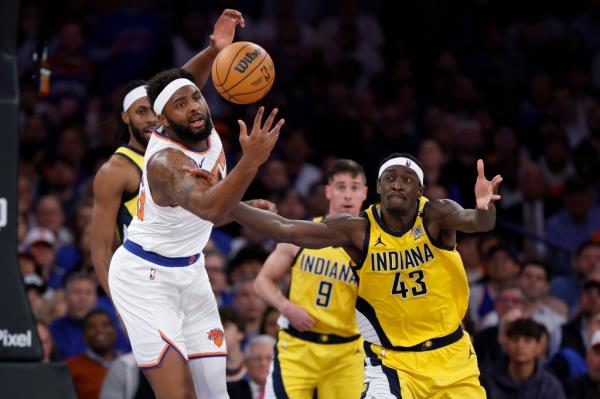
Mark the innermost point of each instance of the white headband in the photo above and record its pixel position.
(133, 96)
(401, 161)
(168, 91)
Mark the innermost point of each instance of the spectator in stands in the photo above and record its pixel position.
(215, 264)
(39, 244)
(35, 288)
(587, 386)
(568, 287)
(549, 311)
(80, 294)
(510, 305)
(124, 380)
(573, 335)
(249, 305)
(89, 369)
(50, 354)
(502, 267)
(259, 356)
(576, 223)
(467, 247)
(49, 214)
(520, 374)
(236, 370)
(268, 325)
(247, 262)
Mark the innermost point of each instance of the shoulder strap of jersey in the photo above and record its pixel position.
(133, 155)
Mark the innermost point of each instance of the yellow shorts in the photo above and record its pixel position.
(302, 367)
(447, 372)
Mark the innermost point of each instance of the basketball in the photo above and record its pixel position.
(243, 72)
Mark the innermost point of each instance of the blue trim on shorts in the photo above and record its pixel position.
(159, 259)
(278, 386)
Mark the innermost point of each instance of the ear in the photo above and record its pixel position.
(125, 117)
(328, 192)
(378, 189)
(421, 191)
(163, 120)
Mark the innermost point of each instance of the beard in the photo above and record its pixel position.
(186, 134)
(139, 136)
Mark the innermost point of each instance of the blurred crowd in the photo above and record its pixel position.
(516, 85)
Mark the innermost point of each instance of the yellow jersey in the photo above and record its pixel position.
(128, 208)
(411, 288)
(323, 283)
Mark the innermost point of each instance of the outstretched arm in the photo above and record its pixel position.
(212, 202)
(223, 33)
(342, 230)
(451, 216)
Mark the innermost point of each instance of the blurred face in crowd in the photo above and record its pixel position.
(467, 247)
(435, 191)
(534, 281)
(508, 300)
(215, 267)
(270, 322)
(49, 213)
(274, 175)
(502, 267)
(522, 349)
(291, 205)
(81, 297)
(578, 204)
(346, 193)
(248, 304)
(26, 264)
(317, 202)
(233, 336)
(43, 254)
(588, 260)
(100, 334)
(593, 362)
(532, 183)
(61, 175)
(590, 297)
(46, 340)
(249, 267)
(70, 38)
(25, 194)
(591, 326)
(259, 361)
(71, 144)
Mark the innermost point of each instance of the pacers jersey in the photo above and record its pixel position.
(323, 283)
(171, 230)
(410, 287)
(128, 207)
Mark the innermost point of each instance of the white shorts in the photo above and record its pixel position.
(165, 308)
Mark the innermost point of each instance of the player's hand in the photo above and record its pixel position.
(211, 178)
(299, 317)
(257, 145)
(262, 204)
(486, 192)
(224, 29)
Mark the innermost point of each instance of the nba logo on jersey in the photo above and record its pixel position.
(417, 231)
(216, 335)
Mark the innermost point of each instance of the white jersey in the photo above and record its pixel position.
(172, 231)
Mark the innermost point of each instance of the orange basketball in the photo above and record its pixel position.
(243, 72)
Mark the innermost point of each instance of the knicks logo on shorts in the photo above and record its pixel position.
(216, 335)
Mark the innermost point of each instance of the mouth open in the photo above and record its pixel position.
(148, 130)
(197, 122)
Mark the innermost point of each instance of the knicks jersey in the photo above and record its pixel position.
(128, 207)
(410, 287)
(323, 283)
(172, 231)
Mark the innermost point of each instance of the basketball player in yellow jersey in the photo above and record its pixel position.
(318, 348)
(413, 291)
(117, 182)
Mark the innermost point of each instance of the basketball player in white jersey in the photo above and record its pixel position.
(157, 277)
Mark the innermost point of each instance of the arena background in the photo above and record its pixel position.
(514, 83)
